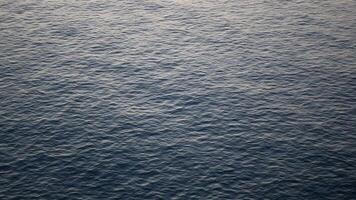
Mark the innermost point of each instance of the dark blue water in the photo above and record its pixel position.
(177, 99)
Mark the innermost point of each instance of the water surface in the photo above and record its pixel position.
(177, 99)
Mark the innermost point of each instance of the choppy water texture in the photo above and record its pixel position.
(177, 99)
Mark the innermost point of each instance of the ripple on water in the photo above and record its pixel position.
(180, 99)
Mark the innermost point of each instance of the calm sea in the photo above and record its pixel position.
(177, 99)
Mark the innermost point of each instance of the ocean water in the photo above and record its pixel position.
(177, 99)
